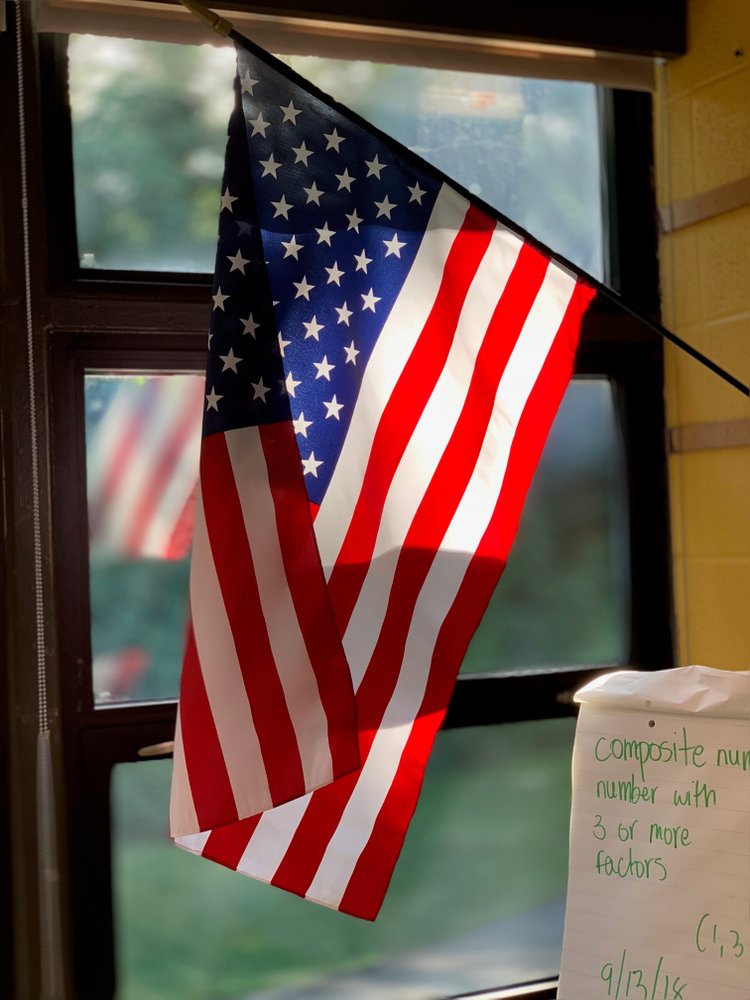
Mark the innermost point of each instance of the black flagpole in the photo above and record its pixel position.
(227, 29)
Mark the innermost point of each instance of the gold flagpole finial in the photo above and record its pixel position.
(219, 24)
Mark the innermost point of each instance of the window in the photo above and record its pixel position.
(466, 909)
(127, 310)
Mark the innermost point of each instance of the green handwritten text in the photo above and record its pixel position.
(630, 866)
(644, 752)
(625, 982)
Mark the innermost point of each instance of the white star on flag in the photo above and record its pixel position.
(290, 384)
(282, 207)
(230, 361)
(311, 465)
(213, 400)
(345, 181)
(270, 166)
(303, 288)
(260, 390)
(301, 153)
(219, 299)
(247, 84)
(334, 140)
(354, 221)
(324, 368)
(259, 126)
(344, 314)
(333, 408)
(313, 328)
(325, 234)
(290, 113)
(226, 201)
(291, 248)
(394, 246)
(369, 300)
(385, 207)
(238, 262)
(249, 326)
(313, 194)
(362, 261)
(334, 274)
(416, 194)
(282, 343)
(300, 424)
(374, 167)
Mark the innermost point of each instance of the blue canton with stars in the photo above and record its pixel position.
(320, 222)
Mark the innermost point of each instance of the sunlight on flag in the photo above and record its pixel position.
(386, 357)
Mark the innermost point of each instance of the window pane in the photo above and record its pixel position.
(477, 898)
(564, 598)
(149, 121)
(142, 441)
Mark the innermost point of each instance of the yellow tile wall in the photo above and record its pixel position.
(702, 133)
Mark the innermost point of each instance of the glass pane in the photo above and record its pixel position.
(149, 129)
(142, 442)
(564, 598)
(562, 601)
(149, 122)
(477, 899)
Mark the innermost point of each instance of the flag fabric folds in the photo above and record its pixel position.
(386, 358)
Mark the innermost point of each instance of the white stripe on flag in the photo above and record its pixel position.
(287, 643)
(222, 677)
(266, 848)
(193, 842)
(181, 809)
(516, 385)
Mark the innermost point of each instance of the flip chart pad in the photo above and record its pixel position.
(659, 879)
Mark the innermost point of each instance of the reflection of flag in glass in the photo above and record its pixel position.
(417, 350)
(142, 466)
(117, 674)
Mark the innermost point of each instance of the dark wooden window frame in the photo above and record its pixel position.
(136, 321)
(640, 27)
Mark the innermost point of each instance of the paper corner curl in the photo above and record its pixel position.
(692, 690)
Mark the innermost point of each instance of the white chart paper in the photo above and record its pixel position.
(659, 879)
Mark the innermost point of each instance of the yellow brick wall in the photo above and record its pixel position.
(702, 132)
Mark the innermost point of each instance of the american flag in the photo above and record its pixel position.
(386, 359)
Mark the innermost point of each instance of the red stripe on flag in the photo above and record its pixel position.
(372, 874)
(210, 788)
(234, 568)
(404, 408)
(227, 844)
(307, 587)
